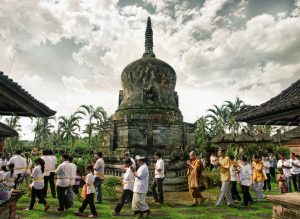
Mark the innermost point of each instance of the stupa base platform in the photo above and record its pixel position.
(174, 181)
(285, 206)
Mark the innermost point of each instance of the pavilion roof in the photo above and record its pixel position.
(16, 101)
(6, 131)
(293, 133)
(283, 109)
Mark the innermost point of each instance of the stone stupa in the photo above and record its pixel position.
(148, 119)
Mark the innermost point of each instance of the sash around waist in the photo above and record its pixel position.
(99, 174)
(38, 179)
(245, 179)
(21, 168)
(129, 182)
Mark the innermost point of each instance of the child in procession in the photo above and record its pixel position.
(88, 193)
(281, 181)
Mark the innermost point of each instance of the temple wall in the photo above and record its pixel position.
(144, 138)
(294, 145)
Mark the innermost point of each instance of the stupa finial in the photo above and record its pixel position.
(149, 40)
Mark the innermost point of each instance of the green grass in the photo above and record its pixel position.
(177, 205)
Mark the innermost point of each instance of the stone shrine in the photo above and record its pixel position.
(148, 119)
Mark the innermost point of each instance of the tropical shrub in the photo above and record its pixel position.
(211, 179)
(109, 186)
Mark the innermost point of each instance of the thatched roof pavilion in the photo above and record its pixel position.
(283, 109)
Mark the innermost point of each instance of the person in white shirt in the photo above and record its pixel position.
(63, 173)
(234, 178)
(128, 183)
(245, 179)
(20, 166)
(38, 185)
(52, 173)
(140, 187)
(159, 174)
(27, 170)
(89, 191)
(48, 166)
(267, 165)
(286, 166)
(99, 176)
(127, 156)
(10, 176)
(295, 171)
(70, 193)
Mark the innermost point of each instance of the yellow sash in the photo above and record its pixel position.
(38, 179)
(21, 168)
(126, 183)
(101, 175)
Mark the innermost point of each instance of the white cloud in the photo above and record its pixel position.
(209, 11)
(68, 53)
(25, 24)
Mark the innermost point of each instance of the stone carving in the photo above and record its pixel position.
(148, 118)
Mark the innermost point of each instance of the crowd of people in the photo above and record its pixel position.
(18, 169)
(255, 174)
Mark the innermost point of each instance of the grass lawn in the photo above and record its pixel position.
(177, 205)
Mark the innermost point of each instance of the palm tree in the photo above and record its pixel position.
(203, 131)
(95, 119)
(55, 139)
(14, 123)
(232, 108)
(218, 119)
(43, 130)
(68, 128)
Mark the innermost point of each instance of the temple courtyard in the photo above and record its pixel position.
(177, 205)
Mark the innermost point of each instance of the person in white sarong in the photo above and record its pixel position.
(140, 188)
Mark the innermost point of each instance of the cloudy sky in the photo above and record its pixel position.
(68, 53)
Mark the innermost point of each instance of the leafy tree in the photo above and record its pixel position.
(14, 123)
(232, 108)
(68, 128)
(218, 119)
(42, 130)
(202, 131)
(95, 119)
(55, 139)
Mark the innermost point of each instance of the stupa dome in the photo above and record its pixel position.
(148, 83)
